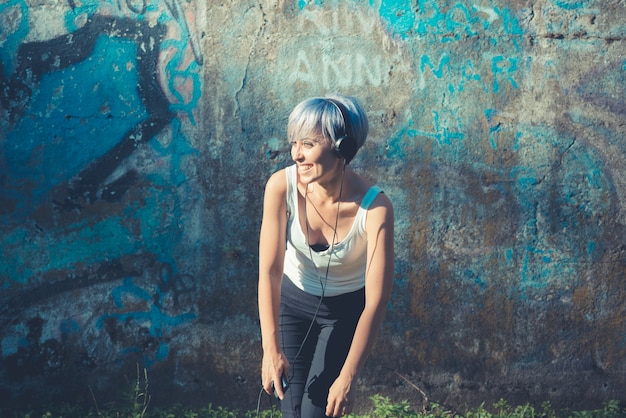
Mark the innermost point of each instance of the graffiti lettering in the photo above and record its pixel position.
(348, 70)
(456, 22)
(506, 67)
(503, 69)
(457, 19)
(441, 131)
(341, 20)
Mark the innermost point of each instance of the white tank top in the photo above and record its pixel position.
(347, 263)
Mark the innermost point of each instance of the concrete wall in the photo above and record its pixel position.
(136, 137)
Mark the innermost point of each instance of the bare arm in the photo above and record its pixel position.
(378, 286)
(271, 257)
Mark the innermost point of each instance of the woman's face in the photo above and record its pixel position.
(315, 158)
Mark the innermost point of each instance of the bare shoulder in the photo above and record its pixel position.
(381, 207)
(382, 203)
(380, 212)
(277, 183)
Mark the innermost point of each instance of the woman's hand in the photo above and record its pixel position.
(274, 366)
(340, 398)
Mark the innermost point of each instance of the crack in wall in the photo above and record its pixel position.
(557, 164)
(577, 36)
(251, 53)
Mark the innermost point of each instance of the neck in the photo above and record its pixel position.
(330, 191)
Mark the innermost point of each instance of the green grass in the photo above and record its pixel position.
(382, 407)
(137, 405)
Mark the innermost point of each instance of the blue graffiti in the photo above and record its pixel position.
(571, 4)
(179, 74)
(177, 151)
(497, 130)
(433, 23)
(69, 326)
(458, 21)
(89, 244)
(400, 16)
(76, 92)
(438, 72)
(178, 70)
(64, 143)
(303, 3)
(441, 133)
(159, 322)
(500, 65)
(13, 39)
(510, 25)
(572, 197)
(462, 27)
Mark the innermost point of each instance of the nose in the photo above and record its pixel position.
(296, 151)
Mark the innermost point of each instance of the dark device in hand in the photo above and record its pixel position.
(285, 384)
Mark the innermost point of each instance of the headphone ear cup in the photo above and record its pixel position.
(336, 146)
(346, 148)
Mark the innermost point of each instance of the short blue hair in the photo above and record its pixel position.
(320, 115)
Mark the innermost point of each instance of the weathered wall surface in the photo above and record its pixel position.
(136, 137)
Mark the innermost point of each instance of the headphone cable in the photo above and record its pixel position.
(322, 282)
(330, 254)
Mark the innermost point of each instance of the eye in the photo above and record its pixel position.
(303, 142)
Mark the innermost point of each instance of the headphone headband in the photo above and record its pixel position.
(346, 145)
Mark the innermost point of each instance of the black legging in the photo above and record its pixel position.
(322, 355)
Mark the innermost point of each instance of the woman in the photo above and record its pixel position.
(326, 262)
